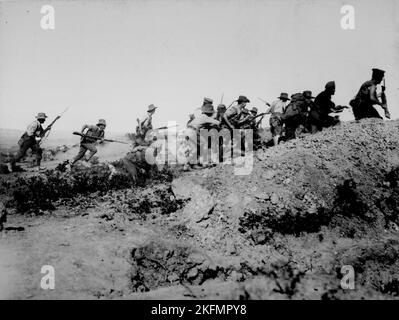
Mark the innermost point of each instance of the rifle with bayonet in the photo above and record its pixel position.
(96, 138)
(49, 127)
(248, 119)
(166, 127)
(265, 102)
(384, 99)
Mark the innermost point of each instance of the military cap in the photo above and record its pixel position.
(378, 72)
(243, 99)
(297, 97)
(307, 94)
(284, 95)
(102, 121)
(41, 115)
(222, 107)
(254, 110)
(208, 101)
(207, 108)
(151, 107)
(330, 84)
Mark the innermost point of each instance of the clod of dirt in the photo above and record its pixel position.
(155, 200)
(159, 264)
(201, 201)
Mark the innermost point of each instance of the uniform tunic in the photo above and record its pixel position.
(277, 109)
(88, 143)
(28, 141)
(363, 106)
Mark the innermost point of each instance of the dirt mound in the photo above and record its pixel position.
(305, 184)
(315, 191)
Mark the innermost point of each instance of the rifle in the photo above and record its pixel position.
(51, 124)
(265, 102)
(384, 99)
(96, 138)
(259, 115)
(383, 96)
(163, 128)
(250, 118)
(221, 100)
(231, 104)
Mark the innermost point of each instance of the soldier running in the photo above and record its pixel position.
(31, 140)
(88, 143)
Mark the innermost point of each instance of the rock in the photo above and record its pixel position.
(201, 201)
(173, 277)
(287, 181)
(208, 265)
(274, 199)
(262, 196)
(269, 174)
(235, 276)
(197, 258)
(193, 273)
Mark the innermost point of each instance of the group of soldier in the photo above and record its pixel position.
(289, 118)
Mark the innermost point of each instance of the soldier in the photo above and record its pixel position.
(88, 143)
(220, 111)
(233, 115)
(205, 120)
(276, 110)
(207, 101)
(366, 98)
(254, 125)
(145, 125)
(247, 120)
(31, 140)
(319, 114)
(295, 114)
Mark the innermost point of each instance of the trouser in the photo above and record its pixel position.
(25, 144)
(363, 109)
(82, 151)
(367, 111)
(319, 121)
(291, 126)
(276, 125)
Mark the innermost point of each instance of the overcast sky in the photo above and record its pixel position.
(111, 59)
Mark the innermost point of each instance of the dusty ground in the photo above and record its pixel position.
(282, 232)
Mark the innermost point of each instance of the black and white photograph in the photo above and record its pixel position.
(198, 150)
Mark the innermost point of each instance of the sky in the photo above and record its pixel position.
(111, 59)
